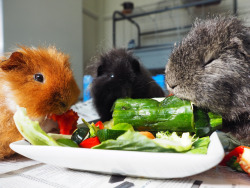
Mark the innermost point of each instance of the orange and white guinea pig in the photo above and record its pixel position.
(38, 79)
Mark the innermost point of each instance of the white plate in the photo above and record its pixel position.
(131, 163)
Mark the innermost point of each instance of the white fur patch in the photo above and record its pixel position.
(9, 98)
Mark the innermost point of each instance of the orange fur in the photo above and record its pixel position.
(18, 87)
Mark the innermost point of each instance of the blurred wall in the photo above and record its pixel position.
(91, 19)
(103, 11)
(46, 22)
(179, 17)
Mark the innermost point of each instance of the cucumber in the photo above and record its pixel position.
(80, 134)
(201, 122)
(172, 114)
(107, 134)
(206, 122)
(215, 121)
(150, 115)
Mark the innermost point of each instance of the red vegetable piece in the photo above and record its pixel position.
(243, 158)
(170, 94)
(66, 122)
(90, 142)
(100, 125)
(235, 152)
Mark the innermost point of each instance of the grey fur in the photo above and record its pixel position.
(211, 67)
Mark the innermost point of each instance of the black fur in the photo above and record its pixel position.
(118, 74)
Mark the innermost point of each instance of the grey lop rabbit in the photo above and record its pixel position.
(211, 68)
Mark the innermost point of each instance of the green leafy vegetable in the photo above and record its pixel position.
(92, 128)
(123, 126)
(179, 143)
(134, 141)
(108, 124)
(200, 146)
(31, 130)
(56, 136)
(67, 142)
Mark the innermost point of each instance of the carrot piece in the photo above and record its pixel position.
(147, 134)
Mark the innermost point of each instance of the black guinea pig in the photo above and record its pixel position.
(118, 74)
(211, 68)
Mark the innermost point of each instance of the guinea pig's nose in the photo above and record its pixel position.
(63, 105)
(172, 86)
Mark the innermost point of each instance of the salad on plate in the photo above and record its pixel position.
(172, 125)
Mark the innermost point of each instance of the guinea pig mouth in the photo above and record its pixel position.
(49, 125)
(171, 89)
(126, 92)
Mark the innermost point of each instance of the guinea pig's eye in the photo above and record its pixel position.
(208, 62)
(39, 77)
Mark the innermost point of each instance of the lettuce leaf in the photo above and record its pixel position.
(178, 143)
(31, 130)
(134, 141)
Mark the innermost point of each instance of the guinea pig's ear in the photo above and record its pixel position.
(244, 45)
(15, 61)
(135, 65)
(100, 70)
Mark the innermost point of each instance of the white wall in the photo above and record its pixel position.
(46, 22)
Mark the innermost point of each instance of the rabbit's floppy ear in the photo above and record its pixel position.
(14, 62)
